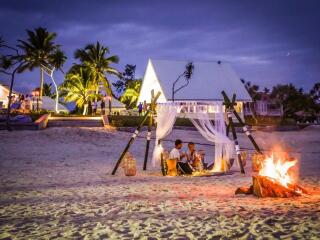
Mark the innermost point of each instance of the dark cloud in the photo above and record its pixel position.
(268, 42)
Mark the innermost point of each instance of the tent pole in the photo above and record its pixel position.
(163, 163)
(228, 129)
(229, 108)
(148, 142)
(135, 134)
(149, 131)
(236, 143)
(244, 127)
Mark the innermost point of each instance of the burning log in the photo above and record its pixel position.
(274, 179)
(245, 190)
(267, 187)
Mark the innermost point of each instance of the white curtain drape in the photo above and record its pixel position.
(166, 117)
(217, 134)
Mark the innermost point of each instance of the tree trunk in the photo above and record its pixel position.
(41, 83)
(10, 96)
(110, 106)
(10, 99)
(85, 109)
(96, 97)
(89, 109)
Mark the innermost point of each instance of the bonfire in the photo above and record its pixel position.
(275, 178)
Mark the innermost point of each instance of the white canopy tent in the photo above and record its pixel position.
(200, 101)
(207, 82)
(215, 133)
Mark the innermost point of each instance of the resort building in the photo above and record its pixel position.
(263, 107)
(4, 93)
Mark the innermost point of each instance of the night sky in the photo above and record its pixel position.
(267, 42)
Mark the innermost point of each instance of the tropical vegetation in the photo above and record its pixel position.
(293, 100)
(39, 50)
(131, 93)
(128, 86)
(95, 59)
(86, 80)
(78, 87)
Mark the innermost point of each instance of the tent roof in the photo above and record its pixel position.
(49, 104)
(206, 83)
(5, 86)
(115, 103)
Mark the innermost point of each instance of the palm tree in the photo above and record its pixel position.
(78, 88)
(93, 56)
(58, 59)
(131, 94)
(253, 91)
(40, 49)
(187, 74)
(315, 91)
(47, 90)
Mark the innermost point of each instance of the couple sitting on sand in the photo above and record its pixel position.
(189, 161)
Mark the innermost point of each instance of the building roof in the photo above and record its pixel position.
(4, 85)
(115, 103)
(206, 83)
(49, 104)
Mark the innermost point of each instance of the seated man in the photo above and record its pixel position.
(175, 153)
(171, 161)
(194, 158)
(183, 167)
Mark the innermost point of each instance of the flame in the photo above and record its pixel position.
(277, 170)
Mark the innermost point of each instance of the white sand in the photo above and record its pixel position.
(56, 183)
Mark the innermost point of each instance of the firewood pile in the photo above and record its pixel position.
(266, 187)
(274, 178)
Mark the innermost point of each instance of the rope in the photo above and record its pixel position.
(242, 148)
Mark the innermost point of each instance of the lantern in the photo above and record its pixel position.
(129, 165)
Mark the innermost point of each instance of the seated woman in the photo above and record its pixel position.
(194, 158)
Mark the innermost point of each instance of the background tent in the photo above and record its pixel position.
(49, 104)
(116, 106)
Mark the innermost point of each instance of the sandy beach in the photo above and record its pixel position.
(56, 184)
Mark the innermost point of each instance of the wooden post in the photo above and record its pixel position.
(229, 106)
(236, 143)
(244, 127)
(152, 108)
(228, 129)
(135, 134)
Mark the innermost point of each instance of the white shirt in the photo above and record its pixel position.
(174, 154)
